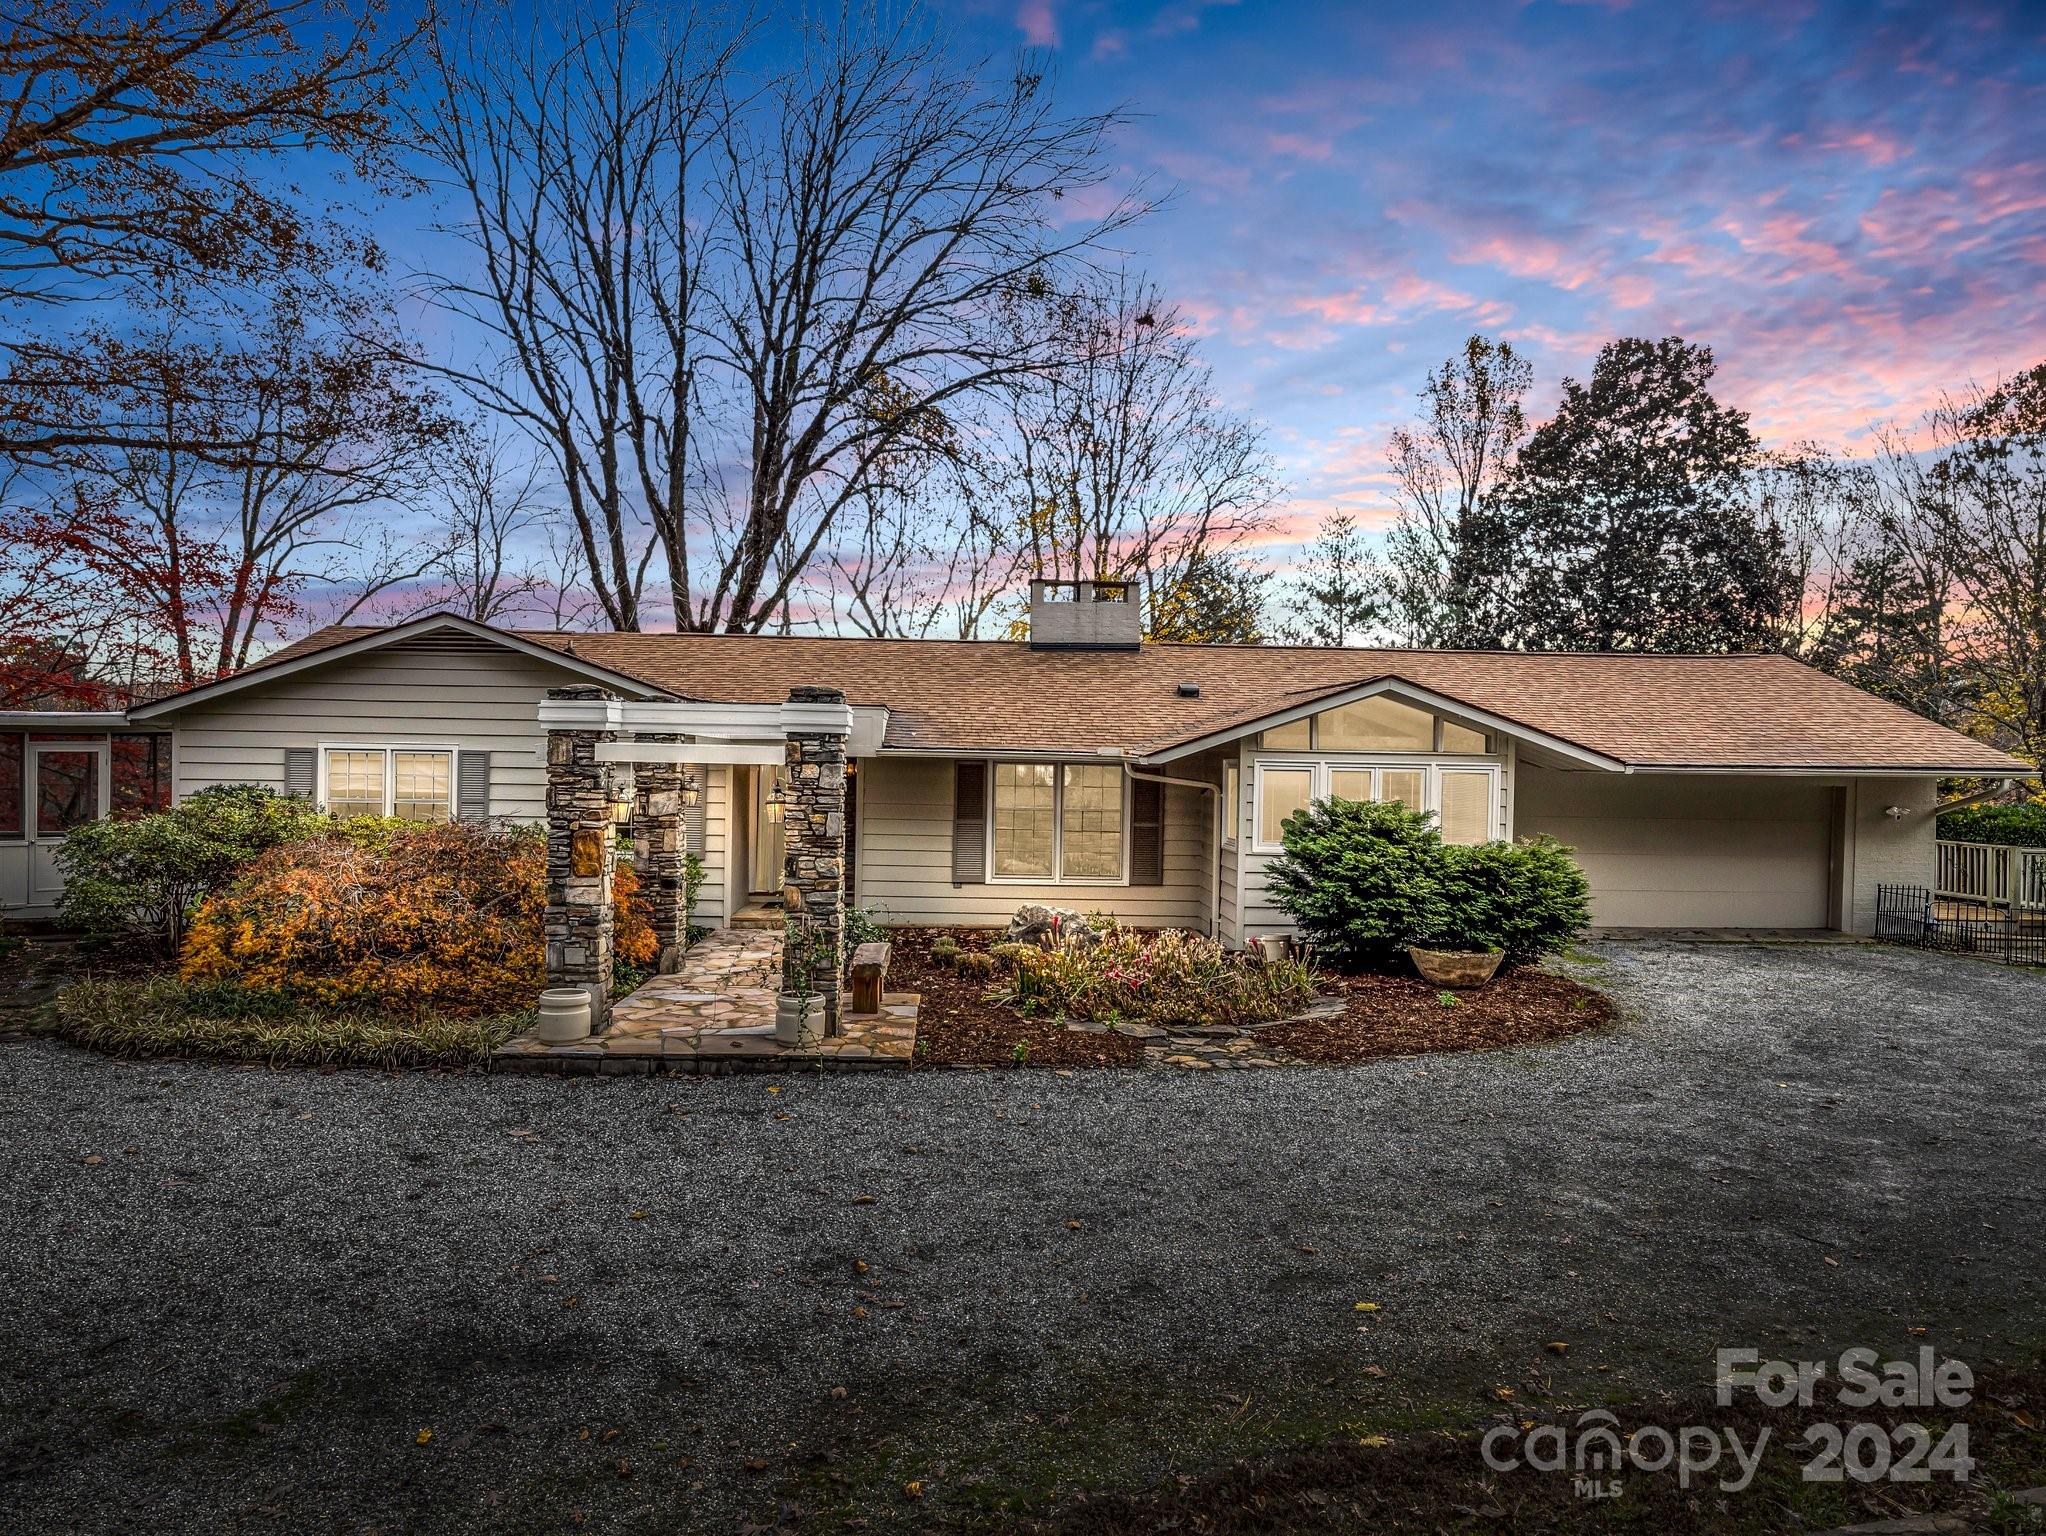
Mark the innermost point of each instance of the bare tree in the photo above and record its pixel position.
(1443, 469)
(575, 159)
(138, 151)
(212, 550)
(1119, 459)
(722, 302)
(1988, 491)
(1818, 507)
(882, 203)
(493, 498)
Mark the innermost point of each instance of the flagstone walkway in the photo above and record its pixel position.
(717, 1014)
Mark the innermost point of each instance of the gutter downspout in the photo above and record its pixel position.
(1215, 831)
(2000, 787)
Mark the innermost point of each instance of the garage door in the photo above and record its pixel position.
(1689, 852)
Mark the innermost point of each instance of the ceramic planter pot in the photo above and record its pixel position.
(1274, 946)
(563, 1016)
(1456, 967)
(798, 1020)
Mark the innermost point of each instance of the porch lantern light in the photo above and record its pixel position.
(621, 799)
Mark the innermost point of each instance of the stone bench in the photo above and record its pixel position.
(868, 970)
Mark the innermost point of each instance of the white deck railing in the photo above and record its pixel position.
(1992, 874)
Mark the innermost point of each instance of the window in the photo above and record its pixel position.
(416, 783)
(1025, 832)
(1466, 806)
(141, 776)
(1232, 795)
(1461, 738)
(1464, 800)
(422, 785)
(1377, 724)
(1380, 723)
(1351, 784)
(1090, 822)
(11, 758)
(1055, 821)
(1409, 786)
(1280, 792)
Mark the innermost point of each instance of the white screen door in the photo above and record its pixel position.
(68, 787)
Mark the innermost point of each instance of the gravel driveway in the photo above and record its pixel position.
(234, 1300)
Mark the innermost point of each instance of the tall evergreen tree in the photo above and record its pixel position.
(1340, 594)
(1625, 523)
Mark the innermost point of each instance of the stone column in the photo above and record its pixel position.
(582, 853)
(813, 872)
(660, 850)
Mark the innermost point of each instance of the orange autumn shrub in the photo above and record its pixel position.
(418, 919)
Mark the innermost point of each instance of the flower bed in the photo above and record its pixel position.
(1169, 979)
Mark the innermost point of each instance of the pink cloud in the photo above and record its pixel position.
(1300, 146)
(1039, 22)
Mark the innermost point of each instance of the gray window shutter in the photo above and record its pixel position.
(301, 772)
(1147, 832)
(472, 786)
(969, 823)
(694, 838)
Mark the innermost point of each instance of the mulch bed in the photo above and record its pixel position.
(957, 1026)
(1405, 1016)
(1387, 1016)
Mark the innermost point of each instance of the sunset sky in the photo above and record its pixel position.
(1847, 202)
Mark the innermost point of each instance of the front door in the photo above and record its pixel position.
(69, 788)
(767, 832)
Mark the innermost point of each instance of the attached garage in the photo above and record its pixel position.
(1694, 850)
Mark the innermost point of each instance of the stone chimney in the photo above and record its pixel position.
(1086, 615)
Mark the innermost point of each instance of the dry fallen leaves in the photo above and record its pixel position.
(1367, 1306)
(424, 1437)
(913, 1489)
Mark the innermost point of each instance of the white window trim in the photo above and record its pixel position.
(1234, 803)
(103, 748)
(1323, 767)
(389, 749)
(1058, 824)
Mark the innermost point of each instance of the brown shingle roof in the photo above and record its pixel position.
(1748, 711)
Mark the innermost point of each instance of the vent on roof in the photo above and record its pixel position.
(1085, 616)
(1189, 690)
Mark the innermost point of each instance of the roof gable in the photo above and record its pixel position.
(339, 643)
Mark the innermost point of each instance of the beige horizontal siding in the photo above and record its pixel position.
(904, 864)
(717, 830)
(426, 694)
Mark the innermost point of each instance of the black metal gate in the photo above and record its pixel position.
(1911, 914)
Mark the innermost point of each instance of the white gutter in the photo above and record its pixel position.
(1215, 829)
(1975, 799)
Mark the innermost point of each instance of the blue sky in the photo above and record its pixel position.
(1846, 201)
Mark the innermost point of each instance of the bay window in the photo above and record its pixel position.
(416, 783)
(1057, 821)
(1464, 799)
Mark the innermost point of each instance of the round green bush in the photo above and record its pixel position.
(1529, 899)
(1364, 880)
(140, 878)
(1361, 879)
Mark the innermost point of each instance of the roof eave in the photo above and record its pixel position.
(377, 640)
(1173, 751)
